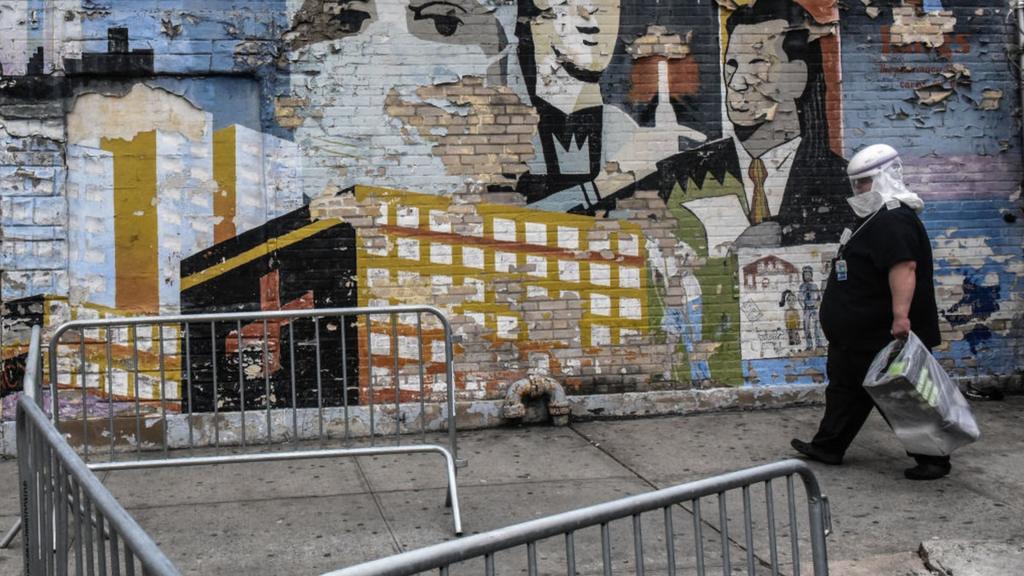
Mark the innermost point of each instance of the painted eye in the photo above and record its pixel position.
(443, 15)
(349, 21)
(445, 24)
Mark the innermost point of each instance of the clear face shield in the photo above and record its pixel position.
(871, 192)
(887, 181)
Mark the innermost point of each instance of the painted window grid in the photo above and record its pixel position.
(508, 251)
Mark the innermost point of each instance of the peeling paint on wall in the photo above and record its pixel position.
(909, 26)
(990, 99)
(95, 116)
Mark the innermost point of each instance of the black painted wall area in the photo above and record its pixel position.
(257, 270)
(18, 317)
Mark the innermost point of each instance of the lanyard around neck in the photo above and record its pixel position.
(843, 245)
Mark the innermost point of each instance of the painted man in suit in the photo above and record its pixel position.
(776, 180)
(565, 46)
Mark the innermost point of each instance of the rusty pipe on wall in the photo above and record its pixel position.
(536, 386)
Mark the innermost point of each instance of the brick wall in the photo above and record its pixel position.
(627, 196)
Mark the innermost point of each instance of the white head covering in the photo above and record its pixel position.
(882, 164)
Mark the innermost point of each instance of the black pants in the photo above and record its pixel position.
(848, 404)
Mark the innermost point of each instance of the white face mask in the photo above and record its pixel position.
(866, 203)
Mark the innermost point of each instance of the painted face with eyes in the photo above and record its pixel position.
(581, 36)
(354, 60)
(758, 74)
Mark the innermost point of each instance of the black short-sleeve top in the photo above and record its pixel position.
(857, 312)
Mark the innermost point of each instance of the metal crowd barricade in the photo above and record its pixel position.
(480, 553)
(253, 379)
(71, 522)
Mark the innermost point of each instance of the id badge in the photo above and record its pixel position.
(841, 270)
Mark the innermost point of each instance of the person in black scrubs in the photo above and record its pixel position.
(880, 288)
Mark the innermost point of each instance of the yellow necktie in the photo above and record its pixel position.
(759, 205)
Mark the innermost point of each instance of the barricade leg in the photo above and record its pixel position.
(11, 533)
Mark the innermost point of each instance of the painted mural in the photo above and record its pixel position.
(626, 195)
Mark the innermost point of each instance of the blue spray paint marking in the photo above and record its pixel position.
(978, 302)
(976, 336)
(784, 371)
(981, 351)
(687, 322)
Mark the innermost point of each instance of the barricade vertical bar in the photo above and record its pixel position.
(698, 536)
(570, 553)
(23, 491)
(295, 397)
(138, 405)
(723, 526)
(531, 556)
(60, 516)
(216, 399)
(163, 385)
(423, 382)
(449, 362)
(39, 505)
(606, 549)
(489, 565)
(47, 516)
(115, 556)
(110, 393)
(85, 397)
(90, 560)
(129, 562)
(395, 379)
(34, 502)
(241, 379)
(188, 371)
(54, 382)
(38, 388)
(44, 523)
(29, 494)
(344, 372)
(369, 371)
(101, 549)
(748, 531)
(266, 379)
(772, 540)
(819, 526)
(638, 544)
(43, 510)
(794, 532)
(43, 536)
(76, 505)
(319, 382)
(670, 539)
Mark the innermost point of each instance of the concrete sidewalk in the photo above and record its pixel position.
(311, 517)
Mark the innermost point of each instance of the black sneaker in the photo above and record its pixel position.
(814, 453)
(928, 471)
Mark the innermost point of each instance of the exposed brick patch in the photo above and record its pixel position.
(909, 26)
(488, 137)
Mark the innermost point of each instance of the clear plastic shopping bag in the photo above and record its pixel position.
(922, 403)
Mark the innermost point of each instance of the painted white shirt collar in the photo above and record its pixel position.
(778, 161)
